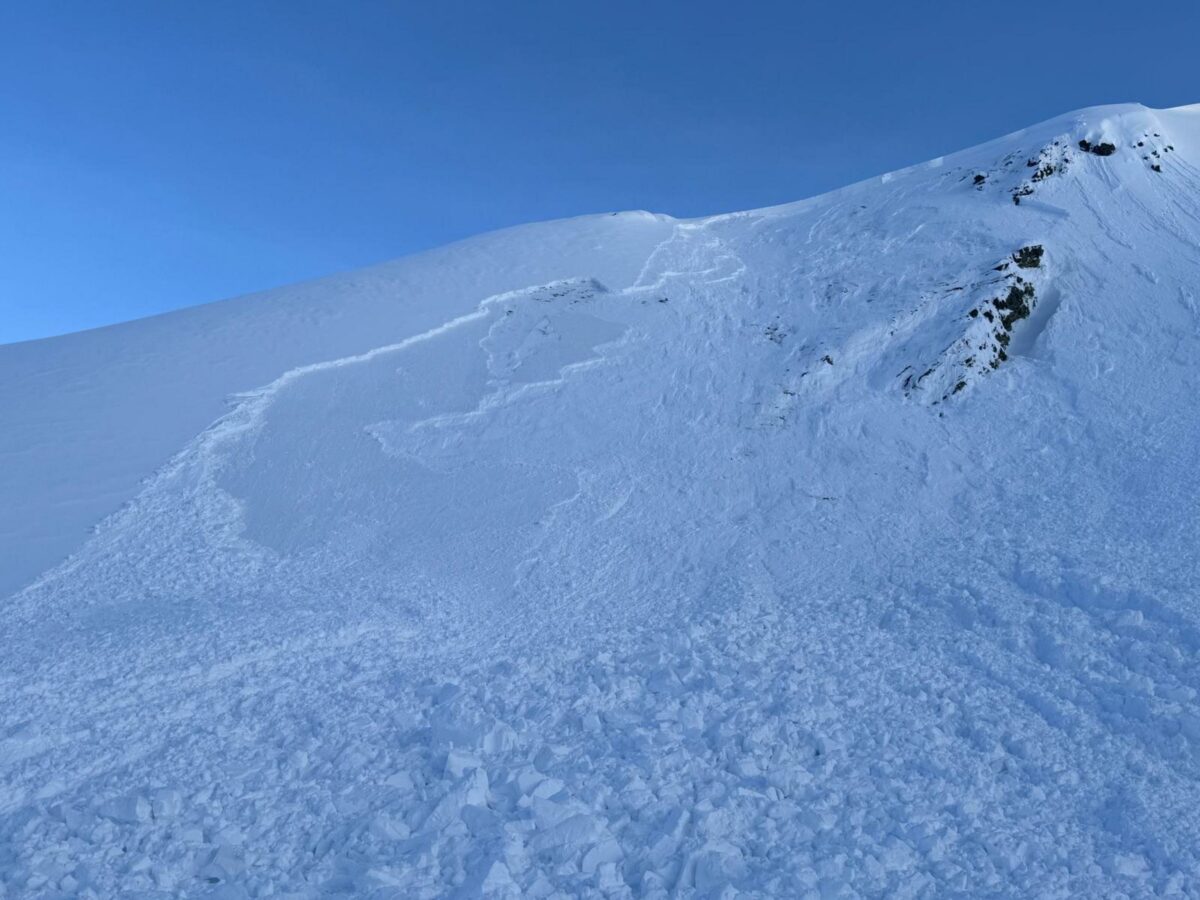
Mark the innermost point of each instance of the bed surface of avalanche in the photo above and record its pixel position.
(843, 548)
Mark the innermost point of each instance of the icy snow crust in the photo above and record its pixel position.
(634, 557)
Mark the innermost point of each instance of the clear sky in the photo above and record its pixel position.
(161, 154)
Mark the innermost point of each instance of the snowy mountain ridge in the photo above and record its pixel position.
(840, 548)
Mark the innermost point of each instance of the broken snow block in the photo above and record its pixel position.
(166, 804)
(128, 810)
(458, 762)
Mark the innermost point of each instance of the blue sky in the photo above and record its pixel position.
(156, 155)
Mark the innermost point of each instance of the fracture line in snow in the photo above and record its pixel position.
(248, 414)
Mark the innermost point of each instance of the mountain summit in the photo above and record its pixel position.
(842, 548)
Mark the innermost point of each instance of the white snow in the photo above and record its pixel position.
(626, 556)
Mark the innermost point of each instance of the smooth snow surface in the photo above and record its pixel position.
(846, 548)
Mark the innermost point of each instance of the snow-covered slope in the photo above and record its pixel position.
(88, 416)
(843, 548)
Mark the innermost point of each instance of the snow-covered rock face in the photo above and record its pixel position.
(843, 548)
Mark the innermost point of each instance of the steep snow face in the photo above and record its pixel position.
(89, 416)
(841, 548)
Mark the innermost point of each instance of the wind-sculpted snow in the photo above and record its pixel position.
(840, 549)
